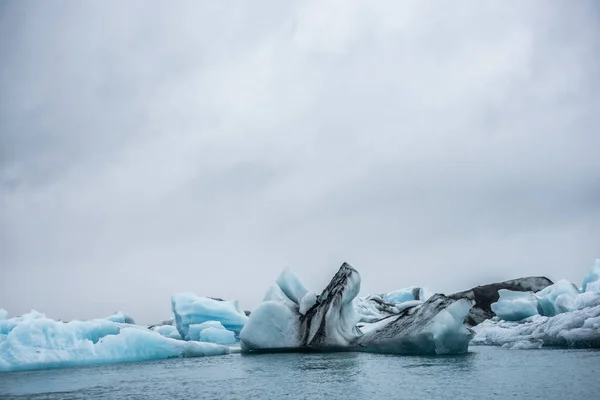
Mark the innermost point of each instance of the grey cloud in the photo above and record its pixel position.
(149, 149)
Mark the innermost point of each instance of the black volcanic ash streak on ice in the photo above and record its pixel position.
(314, 327)
(485, 295)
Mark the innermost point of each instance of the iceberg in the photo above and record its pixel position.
(121, 318)
(515, 306)
(557, 298)
(591, 283)
(407, 294)
(3, 314)
(575, 329)
(190, 309)
(211, 331)
(167, 331)
(563, 317)
(33, 341)
(484, 296)
(435, 326)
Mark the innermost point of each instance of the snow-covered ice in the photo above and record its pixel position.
(190, 309)
(563, 317)
(579, 328)
(33, 341)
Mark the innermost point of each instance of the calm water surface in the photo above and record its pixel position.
(483, 374)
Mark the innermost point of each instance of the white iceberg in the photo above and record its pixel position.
(33, 341)
(3, 314)
(190, 309)
(579, 328)
(432, 327)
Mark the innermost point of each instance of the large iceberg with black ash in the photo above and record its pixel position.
(293, 318)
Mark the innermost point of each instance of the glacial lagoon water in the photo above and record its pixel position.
(484, 373)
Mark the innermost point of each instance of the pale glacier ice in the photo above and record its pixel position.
(211, 331)
(121, 317)
(3, 314)
(169, 331)
(407, 294)
(435, 326)
(591, 283)
(560, 297)
(563, 317)
(33, 341)
(515, 306)
(557, 298)
(578, 328)
(190, 309)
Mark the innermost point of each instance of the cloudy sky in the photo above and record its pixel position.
(151, 148)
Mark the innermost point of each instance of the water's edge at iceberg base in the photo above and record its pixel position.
(292, 318)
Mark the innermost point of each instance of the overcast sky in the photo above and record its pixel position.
(151, 148)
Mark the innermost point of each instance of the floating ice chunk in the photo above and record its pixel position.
(556, 298)
(309, 300)
(167, 331)
(217, 335)
(591, 283)
(291, 286)
(515, 306)
(121, 318)
(3, 314)
(195, 330)
(272, 325)
(578, 328)
(407, 294)
(523, 344)
(190, 309)
(35, 341)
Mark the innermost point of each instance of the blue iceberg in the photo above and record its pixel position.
(33, 341)
(190, 309)
(515, 306)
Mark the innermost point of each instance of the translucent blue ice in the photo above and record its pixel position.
(167, 331)
(515, 306)
(591, 283)
(190, 309)
(407, 294)
(34, 341)
(557, 298)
